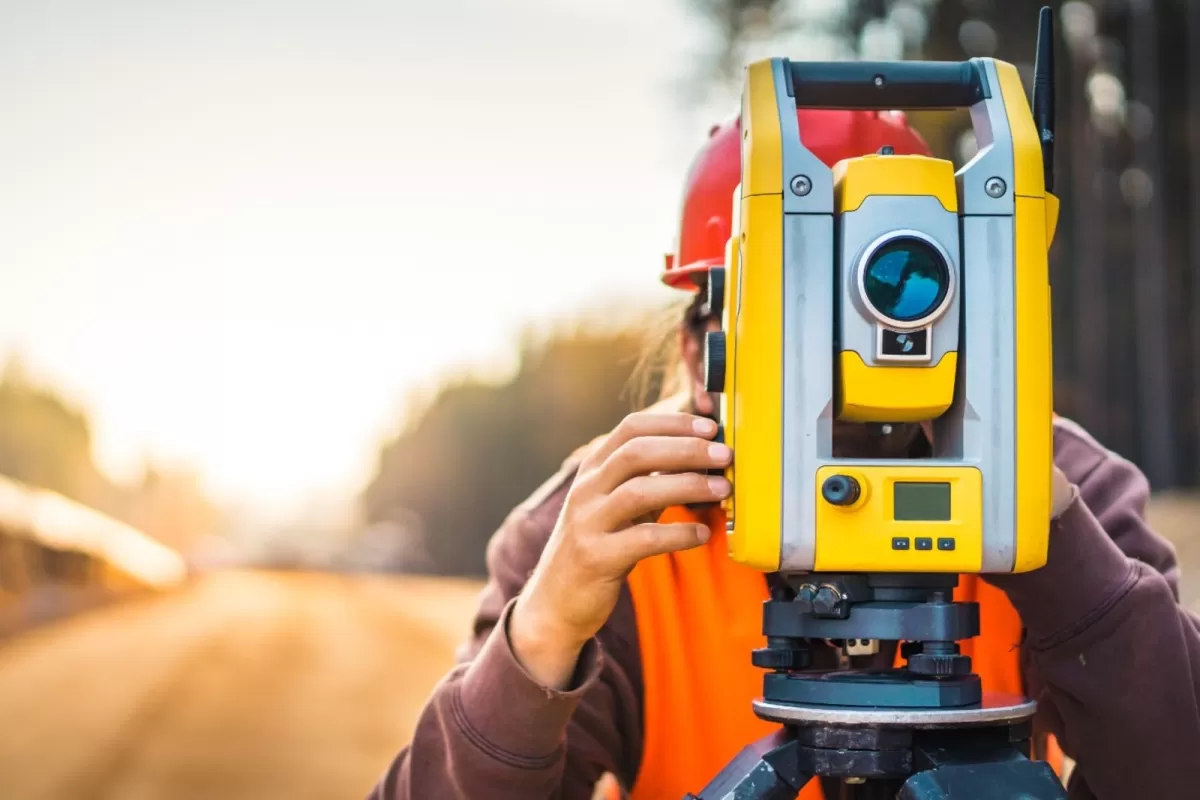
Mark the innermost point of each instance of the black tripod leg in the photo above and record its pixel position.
(765, 770)
(1034, 780)
(981, 765)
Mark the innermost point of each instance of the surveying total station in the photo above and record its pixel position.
(889, 289)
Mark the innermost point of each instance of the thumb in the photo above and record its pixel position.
(1062, 495)
(607, 788)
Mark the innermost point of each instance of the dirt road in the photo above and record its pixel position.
(245, 686)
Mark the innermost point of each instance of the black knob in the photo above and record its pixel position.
(715, 302)
(714, 361)
(938, 660)
(804, 598)
(840, 490)
(781, 659)
(827, 602)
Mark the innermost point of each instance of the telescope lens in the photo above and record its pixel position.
(906, 280)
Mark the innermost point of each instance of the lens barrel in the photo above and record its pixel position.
(905, 280)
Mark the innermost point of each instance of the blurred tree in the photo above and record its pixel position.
(474, 450)
(737, 22)
(44, 441)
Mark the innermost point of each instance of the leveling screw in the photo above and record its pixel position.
(801, 185)
(995, 187)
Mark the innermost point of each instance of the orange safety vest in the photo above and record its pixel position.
(699, 615)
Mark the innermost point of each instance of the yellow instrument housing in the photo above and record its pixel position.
(803, 352)
(880, 393)
(866, 531)
(759, 347)
(895, 394)
(856, 179)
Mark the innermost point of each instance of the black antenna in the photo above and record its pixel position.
(1043, 92)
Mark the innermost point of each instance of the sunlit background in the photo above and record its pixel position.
(300, 298)
(239, 234)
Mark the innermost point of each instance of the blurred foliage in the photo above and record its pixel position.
(734, 22)
(474, 450)
(46, 442)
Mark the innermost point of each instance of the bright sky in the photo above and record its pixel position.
(239, 232)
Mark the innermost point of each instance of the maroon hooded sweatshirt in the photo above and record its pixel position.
(1109, 654)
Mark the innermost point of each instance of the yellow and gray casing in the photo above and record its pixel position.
(804, 345)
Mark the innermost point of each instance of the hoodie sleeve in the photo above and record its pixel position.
(1110, 655)
(491, 730)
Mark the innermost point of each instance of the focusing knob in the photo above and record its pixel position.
(716, 291)
(840, 490)
(714, 361)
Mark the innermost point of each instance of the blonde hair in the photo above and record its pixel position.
(660, 371)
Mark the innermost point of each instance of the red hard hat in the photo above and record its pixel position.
(705, 220)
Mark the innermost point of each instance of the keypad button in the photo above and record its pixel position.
(945, 544)
(924, 543)
(899, 543)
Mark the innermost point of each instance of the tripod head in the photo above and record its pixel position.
(920, 730)
(860, 612)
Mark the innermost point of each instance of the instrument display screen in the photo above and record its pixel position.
(921, 502)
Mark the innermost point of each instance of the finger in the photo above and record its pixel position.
(624, 549)
(645, 423)
(656, 454)
(649, 493)
(607, 788)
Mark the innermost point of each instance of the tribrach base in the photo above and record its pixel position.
(881, 754)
